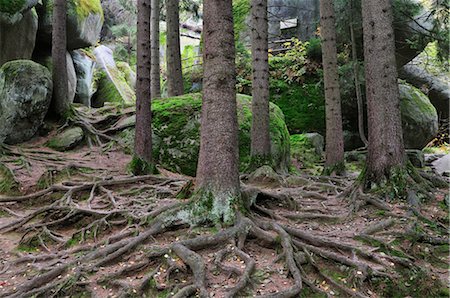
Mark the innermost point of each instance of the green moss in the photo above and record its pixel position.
(241, 9)
(8, 185)
(138, 166)
(11, 6)
(336, 169)
(304, 153)
(86, 7)
(302, 104)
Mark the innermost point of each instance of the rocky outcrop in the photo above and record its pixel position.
(436, 88)
(17, 40)
(12, 11)
(419, 117)
(84, 68)
(66, 140)
(25, 94)
(112, 85)
(84, 23)
(176, 133)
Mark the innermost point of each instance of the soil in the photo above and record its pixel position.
(61, 243)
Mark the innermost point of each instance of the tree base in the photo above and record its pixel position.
(138, 166)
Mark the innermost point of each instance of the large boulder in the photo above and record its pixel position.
(84, 22)
(71, 76)
(176, 138)
(85, 69)
(12, 11)
(17, 40)
(419, 117)
(25, 94)
(112, 84)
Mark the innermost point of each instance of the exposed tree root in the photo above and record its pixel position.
(71, 222)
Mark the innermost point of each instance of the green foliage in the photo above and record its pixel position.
(290, 66)
(303, 152)
(138, 166)
(302, 104)
(241, 9)
(11, 6)
(314, 49)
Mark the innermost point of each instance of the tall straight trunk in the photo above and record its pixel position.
(386, 150)
(217, 171)
(143, 137)
(60, 104)
(334, 149)
(154, 35)
(260, 138)
(174, 72)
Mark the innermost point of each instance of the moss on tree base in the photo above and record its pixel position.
(138, 166)
(336, 169)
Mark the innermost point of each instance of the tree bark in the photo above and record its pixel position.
(174, 73)
(260, 137)
(386, 150)
(60, 103)
(334, 149)
(217, 171)
(154, 35)
(143, 137)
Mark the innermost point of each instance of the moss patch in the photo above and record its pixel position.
(8, 185)
(304, 154)
(138, 166)
(86, 7)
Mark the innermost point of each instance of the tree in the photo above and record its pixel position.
(260, 138)
(142, 160)
(217, 171)
(386, 153)
(60, 104)
(154, 35)
(174, 73)
(334, 162)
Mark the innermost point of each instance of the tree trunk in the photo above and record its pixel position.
(334, 149)
(386, 150)
(217, 172)
(260, 138)
(60, 103)
(174, 73)
(143, 137)
(154, 35)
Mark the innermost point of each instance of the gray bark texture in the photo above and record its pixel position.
(334, 148)
(260, 138)
(386, 150)
(143, 137)
(174, 72)
(60, 103)
(217, 169)
(154, 35)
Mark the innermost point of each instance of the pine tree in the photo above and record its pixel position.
(334, 162)
(154, 35)
(174, 73)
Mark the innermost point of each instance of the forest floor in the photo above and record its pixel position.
(78, 225)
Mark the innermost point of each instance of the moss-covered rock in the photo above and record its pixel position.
(25, 94)
(84, 22)
(419, 117)
(12, 11)
(176, 133)
(306, 151)
(66, 140)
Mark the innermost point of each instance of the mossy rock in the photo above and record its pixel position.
(305, 151)
(66, 140)
(176, 133)
(12, 11)
(419, 117)
(25, 94)
(84, 22)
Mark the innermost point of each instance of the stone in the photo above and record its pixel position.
(266, 176)
(25, 94)
(84, 69)
(130, 74)
(442, 164)
(419, 117)
(12, 11)
(176, 133)
(67, 140)
(17, 40)
(84, 23)
(317, 141)
(112, 84)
